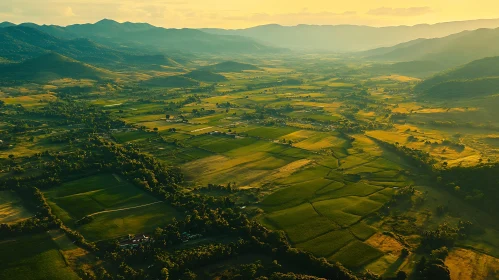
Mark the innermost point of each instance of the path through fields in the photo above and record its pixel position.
(123, 209)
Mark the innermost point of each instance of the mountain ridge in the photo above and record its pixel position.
(351, 38)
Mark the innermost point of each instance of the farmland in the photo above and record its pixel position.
(117, 207)
(11, 208)
(34, 257)
(348, 165)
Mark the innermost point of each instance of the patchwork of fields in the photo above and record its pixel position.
(117, 208)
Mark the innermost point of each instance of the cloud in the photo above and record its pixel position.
(400, 12)
(68, 12)
(303, 17)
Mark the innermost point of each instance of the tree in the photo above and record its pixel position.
(401, 275)
(167, 116)
(165, 274)
(2, 103)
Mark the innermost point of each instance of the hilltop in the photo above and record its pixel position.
(52, 66)
(205, 76)
(229, 66)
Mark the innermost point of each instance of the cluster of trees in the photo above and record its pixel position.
(42, 221)
(445, 235)
(419, 158)
(77, 113)
(477, 185)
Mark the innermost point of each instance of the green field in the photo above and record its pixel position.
(124, 137)
(34, 257)
(139, 220)
(356, 254)
(117, 207)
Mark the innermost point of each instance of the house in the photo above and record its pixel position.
(133, 241)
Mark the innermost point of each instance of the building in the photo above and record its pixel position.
(133, 241)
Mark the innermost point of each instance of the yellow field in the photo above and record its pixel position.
(467, 264)
(11, 208)
(398, 78)
(30, 100)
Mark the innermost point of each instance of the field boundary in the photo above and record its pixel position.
(123, 209)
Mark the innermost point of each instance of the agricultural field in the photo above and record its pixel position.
(116, 207)
(351, 166)
(33, 257)
(12, 209)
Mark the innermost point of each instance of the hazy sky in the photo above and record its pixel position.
(246, 13)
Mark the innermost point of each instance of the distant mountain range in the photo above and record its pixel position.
(350, 38)
(144, 36)
(477, 78)
(452, 50)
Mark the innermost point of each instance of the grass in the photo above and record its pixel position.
(31, 258)
(468, 264)
(300, 223)
(363, 207)
(356, 254)
(319, 142)
(123, 137)
(362, 231)
(97, 194)
(309, 229)
(138, 220)
(327, 244)
(294, 195)
(355, 189)
(271, 132)
(11, 208)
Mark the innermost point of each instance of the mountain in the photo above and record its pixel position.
(464, 89)
(52, 66)
(205, 76)
(451, 51)
(477, 78)
(145, 36)
(229, 66)
(6, 24)
(420, 68)
(350, 38)
(22, 42)
(170, 81)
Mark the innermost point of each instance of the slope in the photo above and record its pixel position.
(229, 66)
(348, 38)
(52, 66)
(205, 76)
(18, 43)
(144, 36)
(477, 78)
(452, 50)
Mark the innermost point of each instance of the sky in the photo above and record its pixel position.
(233, 14)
